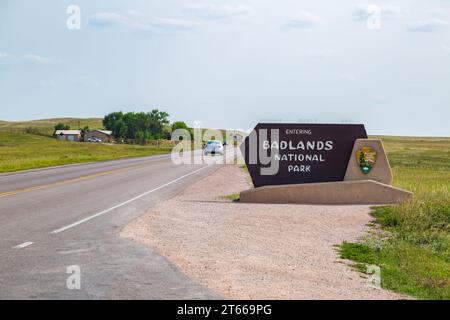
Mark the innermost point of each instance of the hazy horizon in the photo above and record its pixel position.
(240, 129)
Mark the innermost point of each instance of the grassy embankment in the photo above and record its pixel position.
(413, 249)
(29, 144)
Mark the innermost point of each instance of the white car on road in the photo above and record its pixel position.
(213, 147)
(94, 139)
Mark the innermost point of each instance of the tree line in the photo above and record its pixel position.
(137, 126)
(141, 126)
(63, 126)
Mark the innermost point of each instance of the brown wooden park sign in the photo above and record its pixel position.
(317, 163)
(305, 153)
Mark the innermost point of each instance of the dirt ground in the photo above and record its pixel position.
(256, 251)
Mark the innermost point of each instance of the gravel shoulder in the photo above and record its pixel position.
(256, 251)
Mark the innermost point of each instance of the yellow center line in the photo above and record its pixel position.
(65, 182)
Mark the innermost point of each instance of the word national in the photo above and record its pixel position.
(299, 157)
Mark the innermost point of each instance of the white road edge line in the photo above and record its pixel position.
(125, 203)
(23, 245)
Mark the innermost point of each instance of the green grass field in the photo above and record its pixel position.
(22, 151)
(413, 251)
(29, 145)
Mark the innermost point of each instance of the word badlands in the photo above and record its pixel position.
(301, 145)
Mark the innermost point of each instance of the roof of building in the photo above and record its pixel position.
(67, 132)
(107, 132)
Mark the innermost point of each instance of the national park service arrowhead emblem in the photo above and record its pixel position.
(366, 158)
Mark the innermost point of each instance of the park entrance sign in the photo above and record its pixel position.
(280, 154)
(317, 164)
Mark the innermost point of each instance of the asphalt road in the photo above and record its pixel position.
(54, 218)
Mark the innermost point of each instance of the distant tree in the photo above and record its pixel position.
(181, 125)
(85, 129)
(141, 137)
(120, 130)
(62, 126)
(111, 122)
(138, 125)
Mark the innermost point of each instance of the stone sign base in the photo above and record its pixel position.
(368, 192)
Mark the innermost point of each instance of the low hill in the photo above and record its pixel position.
(46, 126)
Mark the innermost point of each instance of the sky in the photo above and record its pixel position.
(231, 64)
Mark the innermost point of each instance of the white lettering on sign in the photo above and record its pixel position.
(301, 168)
(299, 131)
(299, 157)
(290, 145)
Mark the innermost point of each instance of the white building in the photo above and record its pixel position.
(69, 135)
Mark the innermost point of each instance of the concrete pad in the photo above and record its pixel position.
(381, 170)
(328, 193)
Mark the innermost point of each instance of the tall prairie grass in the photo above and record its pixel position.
(413, 250)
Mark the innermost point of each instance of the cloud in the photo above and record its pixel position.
(446, 48)
(8, 59)
(78, 81)
(109, 19)
(47, 84)
(378, 99)
(321, 53)
(4, 55)
(34, 59)
(389, 12)
(87, 82)
(138, 22)
(171, 25)
(216, 12)
(135, 13)
(347, 76)
(430, 25)
(303, 20)
(363, 12)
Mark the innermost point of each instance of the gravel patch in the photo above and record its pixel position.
(256, 251)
